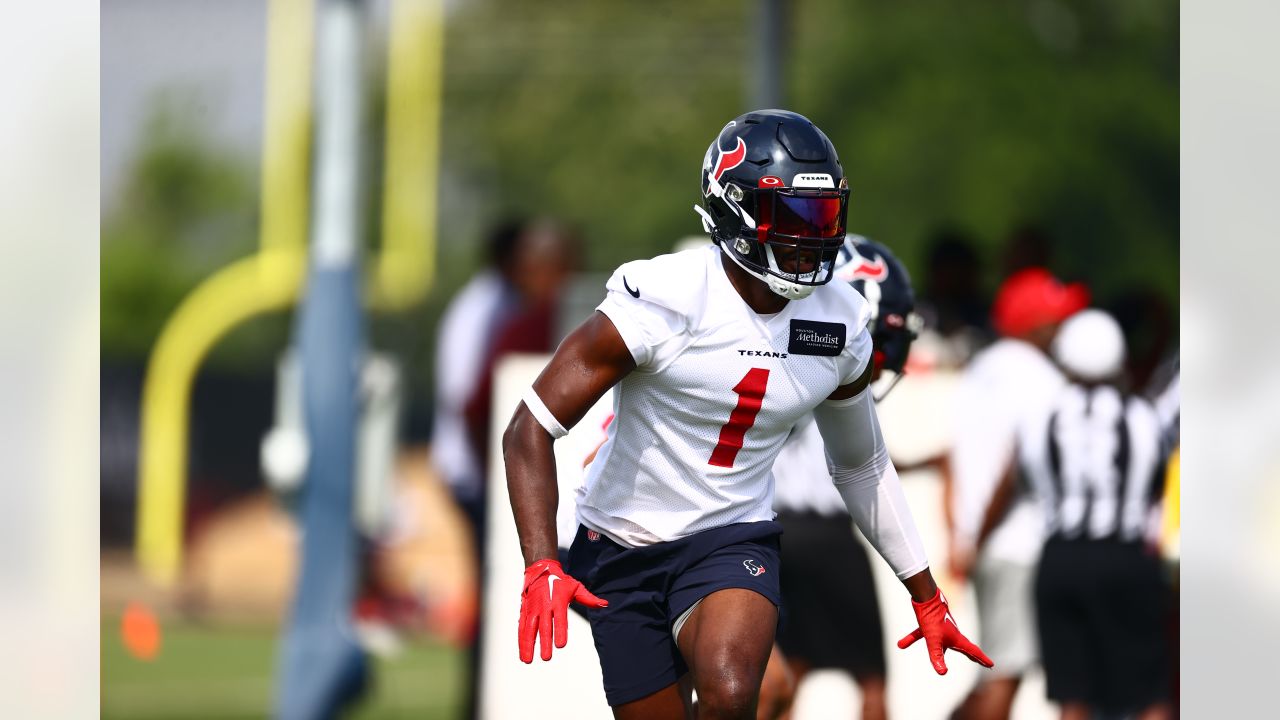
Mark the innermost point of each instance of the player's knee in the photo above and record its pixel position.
(727, 702)
(732, 693)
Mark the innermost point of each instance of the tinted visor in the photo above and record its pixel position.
(806, 213)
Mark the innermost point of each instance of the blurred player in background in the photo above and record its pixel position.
(831, 614)
(716, 354)
(467, 329)
(1164, 392)
(505, 308)
(470, 322)
(1004, 383)
(951, 300)
(550, 252)
(1096, 462)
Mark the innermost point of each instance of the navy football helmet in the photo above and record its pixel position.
(883, 280)
(776, 199)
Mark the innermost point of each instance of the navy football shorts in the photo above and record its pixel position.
(832, 615)
(1101, 608)
(649, 587)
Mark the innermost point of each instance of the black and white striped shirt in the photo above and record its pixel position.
(1096, 461)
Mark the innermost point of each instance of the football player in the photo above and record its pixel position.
(832, 614)
(716, 354)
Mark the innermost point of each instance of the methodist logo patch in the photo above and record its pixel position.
(810, 337)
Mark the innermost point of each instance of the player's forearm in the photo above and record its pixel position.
(873, 495)
(999, 504)
(531, 483)
(868, 482)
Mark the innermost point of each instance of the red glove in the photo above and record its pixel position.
(544, 603)
(940, 633)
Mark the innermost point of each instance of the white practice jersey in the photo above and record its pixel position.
(465, 336)
(803, 481)
(1004, 383)
(716, 390)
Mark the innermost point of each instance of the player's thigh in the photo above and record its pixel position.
(729, 636)
(667, 704)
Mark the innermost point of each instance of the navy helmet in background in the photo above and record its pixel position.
(883, 280)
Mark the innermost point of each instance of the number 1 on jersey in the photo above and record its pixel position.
(750, 397)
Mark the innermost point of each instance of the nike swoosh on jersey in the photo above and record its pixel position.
(634, 293)
(551, 585)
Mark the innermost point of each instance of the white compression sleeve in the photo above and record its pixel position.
(868, 482)
(543, 415)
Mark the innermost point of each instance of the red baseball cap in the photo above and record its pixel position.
(1033, 297)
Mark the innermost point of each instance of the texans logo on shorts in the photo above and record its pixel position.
(753, 567)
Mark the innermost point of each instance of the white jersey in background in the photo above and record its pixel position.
(1003, 385)
(715, 393)
(1096, 461)
(462, 343)
(802, 481)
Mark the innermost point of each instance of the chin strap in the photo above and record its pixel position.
(786, 289)
(707, 223)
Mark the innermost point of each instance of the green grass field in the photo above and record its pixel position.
(206, 671)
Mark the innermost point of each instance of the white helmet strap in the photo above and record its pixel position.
(785, 288)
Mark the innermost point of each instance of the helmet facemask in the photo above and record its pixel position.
(788, 237)
(891, 336)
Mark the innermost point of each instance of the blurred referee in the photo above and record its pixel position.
(1096, 462)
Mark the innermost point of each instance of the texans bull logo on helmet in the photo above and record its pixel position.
(864, 269)
(728, 161)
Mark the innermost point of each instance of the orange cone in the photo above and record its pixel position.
(140, 632)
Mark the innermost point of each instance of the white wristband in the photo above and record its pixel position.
(543, 415)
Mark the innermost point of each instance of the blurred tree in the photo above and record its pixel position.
(188, 208)
(1063, 114)
(1059, 113)
(595, 112)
